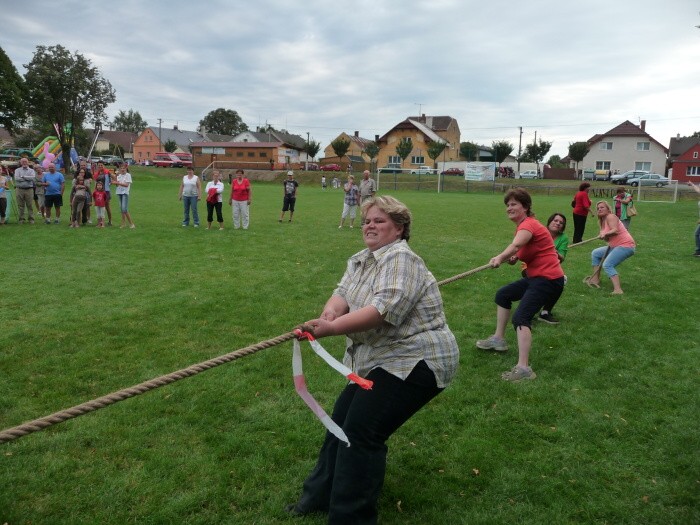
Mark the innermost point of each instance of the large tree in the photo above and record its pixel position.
(224, 122)
(469, 151)
(537, 150)
(404, 149)
(577, 152)
(130, 121)
(435, 148)
(501, 150)
(371, 150)
(340, 147)
(67, 90)
(311, 148)
(13, 110)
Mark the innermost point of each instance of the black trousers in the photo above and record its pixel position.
(210, 212)
(346, 481)
(579, 227)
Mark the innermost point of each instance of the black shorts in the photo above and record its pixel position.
(289, 203)
(53, 200)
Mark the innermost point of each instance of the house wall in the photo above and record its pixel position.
(354, 150)
(245, 155)
(420, 148)
(146, 146)
(624, 154)
(685, 163)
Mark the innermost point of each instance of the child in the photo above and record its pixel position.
(99, 198)
(77, 201)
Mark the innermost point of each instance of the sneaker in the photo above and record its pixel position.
(47, 221)
(132, 226)
(492, 343)
(196, 225)
(280, 220)
(548, 318)
(185, 225)
(56, 221)
(109, 224)
(518, 373)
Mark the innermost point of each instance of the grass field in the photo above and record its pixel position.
(607, 433)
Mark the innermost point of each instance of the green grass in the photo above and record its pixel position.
(608, 432)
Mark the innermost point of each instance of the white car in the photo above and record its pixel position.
(423, 170)
(529, 174)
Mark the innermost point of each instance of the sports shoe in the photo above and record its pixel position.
(55, 221)
(47, 221)
(493, 343)
(518, 373)
(548, 318)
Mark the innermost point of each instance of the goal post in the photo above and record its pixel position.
(667, 193)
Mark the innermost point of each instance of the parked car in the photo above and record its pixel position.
(601, 175)
(422, 170)
(166, 160)
(528, 174)
(453, 171)
(95, 159)
(390, 168)
(311, 166)
(649, 179)
(622, 178)
(184, 159)
(113, 160)
(330, 167)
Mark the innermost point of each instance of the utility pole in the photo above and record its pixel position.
(160, 125)
(308, 137)
(520, 147)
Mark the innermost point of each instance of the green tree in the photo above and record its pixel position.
(67, 90)
(577, 152)
(340, 147)
(537, 150)
(371, 150)
(469, 151)
(435, 148)
(555, 162)
(501, 150)
(224, 122)
(130, 121)
(404, 149)
(311, 148)
(170, 145)
(13, 110)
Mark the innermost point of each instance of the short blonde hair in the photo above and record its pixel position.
(397, 211)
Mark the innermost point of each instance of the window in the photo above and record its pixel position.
(602, 165)
(418, 159)
(606, 145)
(643, 146)
(263, 154)
(693, 171)
(394, 159)
(239, 154)
(695, 154)
(642, 166)
(251, 154)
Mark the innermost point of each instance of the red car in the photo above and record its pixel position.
(330, 167)
(453, 171)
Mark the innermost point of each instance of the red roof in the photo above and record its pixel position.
(626, 129)
(235, 144)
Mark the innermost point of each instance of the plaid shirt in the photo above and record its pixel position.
(351, 195)
(397, 283)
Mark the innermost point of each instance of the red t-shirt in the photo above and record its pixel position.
(539, 254)
(582, 203)
(240, 191)
(99, 198)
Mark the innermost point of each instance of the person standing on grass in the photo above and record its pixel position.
(87, 219)
(621, 246)
(389, 307)
(25, 178)
(241, 194)
(352, 193)
(621, 201)
(582, 207)
(696, 188)
(214, 189)
(323, 182)
(544, 282)
(78, 196)
(40, 190)
(4, 186)
(123, 184)
(99, 197)
(55, 184)
(290, 195)
(104, 176)
(190, 191)
(367, 187)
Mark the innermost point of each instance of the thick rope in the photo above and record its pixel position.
(30, 427)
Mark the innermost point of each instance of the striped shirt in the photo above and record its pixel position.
(351, 194)
(397, 283)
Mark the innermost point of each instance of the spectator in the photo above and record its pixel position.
(99, 198)
(241, 194)
(542, 283)
(582, 207)
(323, 182)
(367, 187)
(123, 184)
(55, 184)
(696, 188)
(77, 199)
(190, 192)
(4, 186)
(622, 200)
(290, 195)
(389, 307)
(214, 190)
(104, 176)
(352, 193)
(25, 179)
(40, 190)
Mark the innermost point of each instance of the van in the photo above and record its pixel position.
(185, 158)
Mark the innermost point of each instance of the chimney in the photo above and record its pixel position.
(357, 134)
(643, 124)
(678, 136)
(376, 138)
(175, 127)
(422, 118)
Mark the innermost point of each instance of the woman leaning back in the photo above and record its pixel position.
(621, 246)
(389, 306)
(544, 281)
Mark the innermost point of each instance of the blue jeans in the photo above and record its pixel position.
(697, 240)
(615, 257)
(190, 202)
(123, 202)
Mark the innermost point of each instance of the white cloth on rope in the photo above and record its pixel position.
(300, 383)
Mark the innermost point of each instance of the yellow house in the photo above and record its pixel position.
(356, 153)
(421, 131)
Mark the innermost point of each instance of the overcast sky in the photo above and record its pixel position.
(566, 70)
